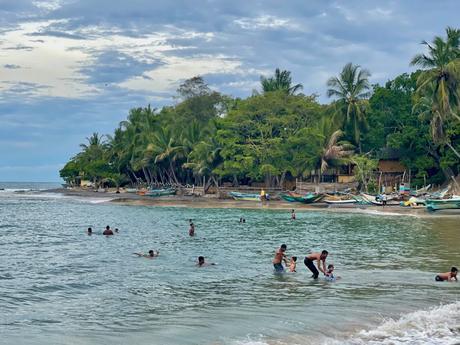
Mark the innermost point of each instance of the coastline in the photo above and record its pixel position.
(131, 199)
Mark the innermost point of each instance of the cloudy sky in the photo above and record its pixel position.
(72, 67)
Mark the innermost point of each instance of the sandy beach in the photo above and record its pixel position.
(211, 201)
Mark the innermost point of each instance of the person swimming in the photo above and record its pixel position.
(280, 256)
(202, 263)
(320, 261)
(293, 215)
(89, 231)
(152, 254)
(329, 275)
(107, 231)
(448, 276)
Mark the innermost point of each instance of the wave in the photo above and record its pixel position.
(439, 325)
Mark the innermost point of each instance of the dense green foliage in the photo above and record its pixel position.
(281, 134)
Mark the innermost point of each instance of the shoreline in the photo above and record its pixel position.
(130, 199)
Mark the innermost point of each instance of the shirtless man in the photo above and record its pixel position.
(107, 231)
(280, 256)
(448, 276)
(152, 254)
(320, 261)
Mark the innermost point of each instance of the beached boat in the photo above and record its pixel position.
(160, 192)
(340, 202)
(244, 196)
(131, 190)
(443, 204)
(305, 199)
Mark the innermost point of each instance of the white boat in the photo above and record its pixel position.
(340, 202)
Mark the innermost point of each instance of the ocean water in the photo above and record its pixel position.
(61, 286)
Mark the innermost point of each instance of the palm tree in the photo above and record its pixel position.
(441, 79)
(281, 81)
(438, 86)
(351, 88)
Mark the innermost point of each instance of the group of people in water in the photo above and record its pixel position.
(280, 256)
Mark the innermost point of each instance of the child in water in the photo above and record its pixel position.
(448, 276)
(293, 264)
(293, 215)
(329, 275)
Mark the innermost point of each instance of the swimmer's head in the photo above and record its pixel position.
(90, 230)
(324, 254)
(151, 252)
(294, 258)
(283, 247)
(107, 227)
(116, 229)
(200, 260)
(454, 271)
(330, 268)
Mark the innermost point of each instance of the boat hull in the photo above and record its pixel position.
(442, 204)
(244, 196)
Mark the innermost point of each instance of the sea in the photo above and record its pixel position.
(60, 286)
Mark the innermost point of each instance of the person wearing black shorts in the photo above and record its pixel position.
(320, 258)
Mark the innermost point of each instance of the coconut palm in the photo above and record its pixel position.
(281, 81)
(351, 88)
(442, 78)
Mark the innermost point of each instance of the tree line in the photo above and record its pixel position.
(279, 133)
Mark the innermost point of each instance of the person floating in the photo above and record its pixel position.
(280, 256)
(320, 261)
(191, 230)
(152, 254)
(107, 231)
(89, 231)
(448, 276)
(202, 263)
(293, 264)
(293, 214)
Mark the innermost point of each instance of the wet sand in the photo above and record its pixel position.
(210, 201)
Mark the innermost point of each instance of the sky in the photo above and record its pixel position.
(69, 68)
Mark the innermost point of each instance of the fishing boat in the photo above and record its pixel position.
(443, 204)
(131, 190)
(371, 199)
(244, 196)
(340, 202)
(160, 192)
(305, 199)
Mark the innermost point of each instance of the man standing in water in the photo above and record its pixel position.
(320, 261)
(107, 231)
(279, 257)
(191, 231)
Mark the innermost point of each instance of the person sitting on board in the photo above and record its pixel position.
(107, 231)
(293, 264)
(448, 276)
(293, 214)
(89, 231)
(202, 263)
(320, 261)
(152, 254)
(280, 256)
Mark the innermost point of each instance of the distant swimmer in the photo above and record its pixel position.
(320, 261)
(448, 276)
(242, 220)
(293, 264)
(191, 230)
(293, 214)
(152, 254)
(202, 263)
(89, 231)
(116, 230)
(280, 256)
(107, 231)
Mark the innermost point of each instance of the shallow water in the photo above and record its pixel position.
(60, 286)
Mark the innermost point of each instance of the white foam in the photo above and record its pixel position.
(440, 325)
